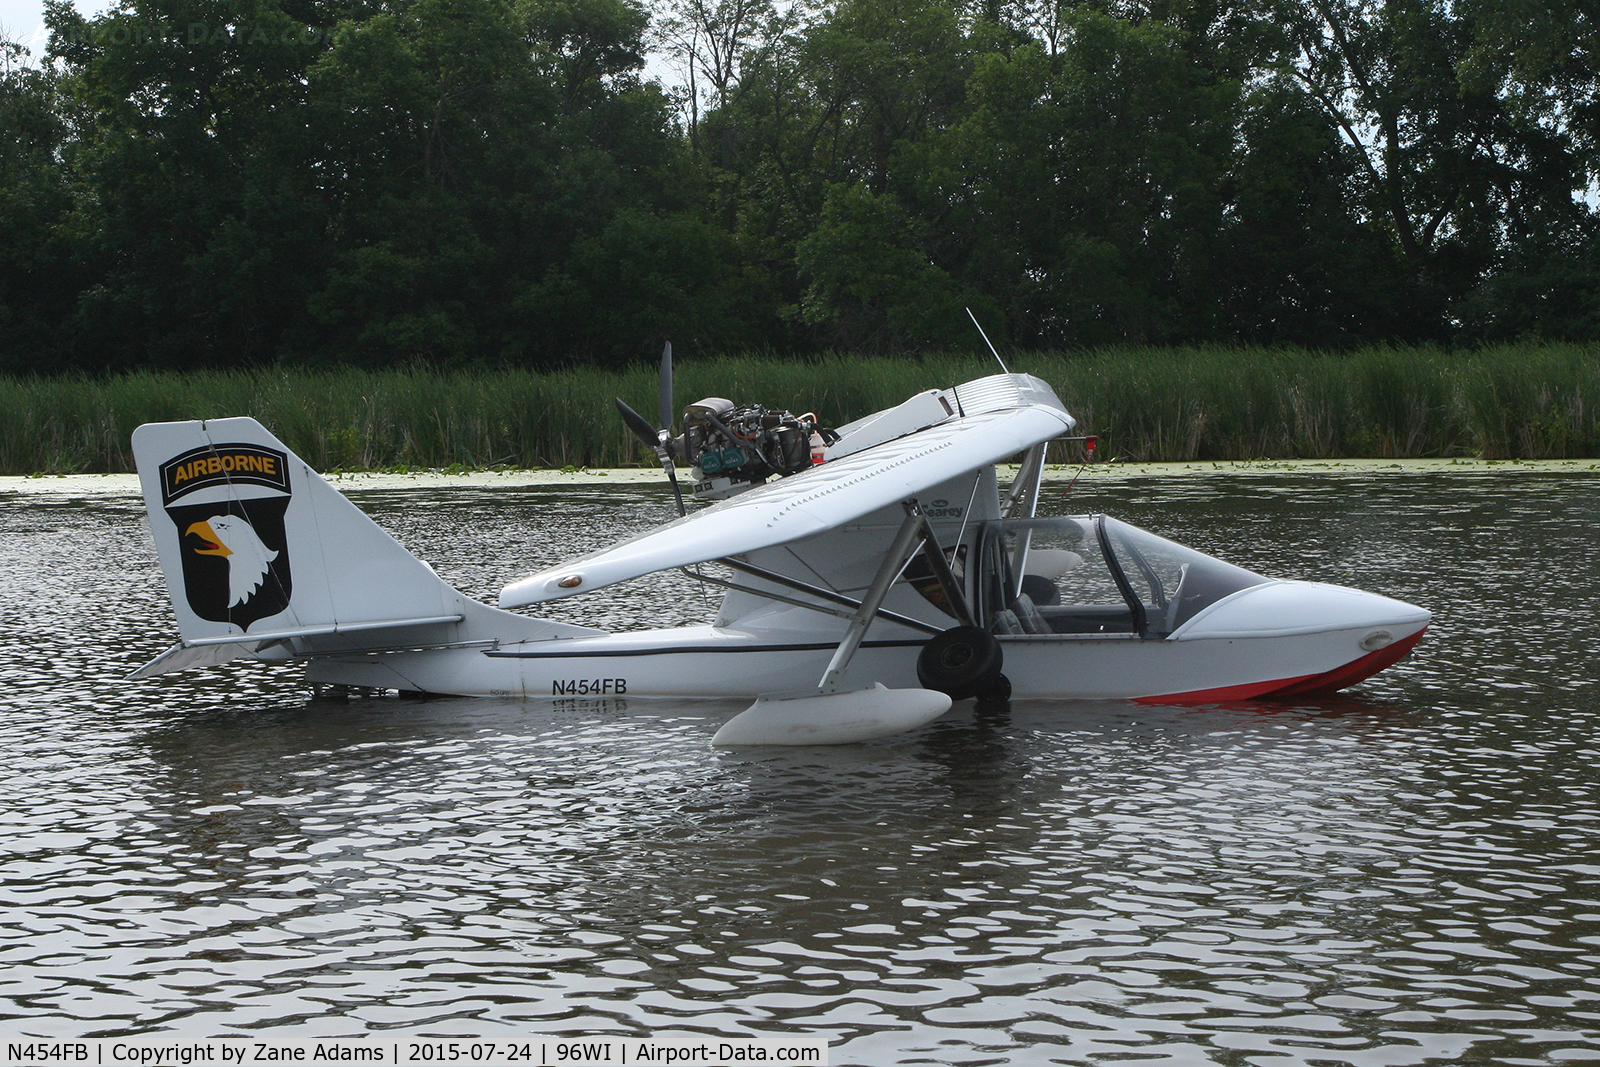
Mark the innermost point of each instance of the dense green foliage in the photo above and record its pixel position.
(230, 183)
(1146, 403)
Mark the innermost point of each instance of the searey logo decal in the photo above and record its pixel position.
(235, 552)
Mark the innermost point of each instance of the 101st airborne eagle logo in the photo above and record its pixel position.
(235, 553)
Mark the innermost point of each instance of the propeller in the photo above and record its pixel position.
(660, 441)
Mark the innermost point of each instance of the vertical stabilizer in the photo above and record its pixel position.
(254, 542)
(258, 549)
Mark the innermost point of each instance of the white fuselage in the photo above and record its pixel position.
(1256, 644)
(902, 534)
(1253, 642)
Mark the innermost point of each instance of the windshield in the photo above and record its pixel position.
(1093, 574)
(1174, 582)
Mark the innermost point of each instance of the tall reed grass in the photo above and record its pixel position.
(1534, 401)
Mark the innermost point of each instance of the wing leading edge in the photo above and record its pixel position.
(998, 417)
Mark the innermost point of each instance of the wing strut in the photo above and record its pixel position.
(942, 573)
(1024, 495)
(1025, 486)
(826, 594)
(899, 554)
(833, 715)
(931, 550)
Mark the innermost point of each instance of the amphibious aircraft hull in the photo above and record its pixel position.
(724, 663)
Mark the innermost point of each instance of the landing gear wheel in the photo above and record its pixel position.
(961, 662)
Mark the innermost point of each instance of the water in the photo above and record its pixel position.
(1407, 874)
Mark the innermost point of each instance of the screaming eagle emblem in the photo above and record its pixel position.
(248, 558)
(233, 546)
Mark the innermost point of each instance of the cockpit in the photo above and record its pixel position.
(1086, 575)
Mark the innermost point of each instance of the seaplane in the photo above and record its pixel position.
(871, 574)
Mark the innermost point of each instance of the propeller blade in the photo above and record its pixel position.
(665, 408)
(658, 440)
(636, 422)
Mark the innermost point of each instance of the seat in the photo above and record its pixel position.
(1028, 615)
(1005, 622)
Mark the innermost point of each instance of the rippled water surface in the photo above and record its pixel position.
(1405, 874)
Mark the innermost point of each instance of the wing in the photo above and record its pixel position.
(1013, 413)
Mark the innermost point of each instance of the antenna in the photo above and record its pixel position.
(988, 342)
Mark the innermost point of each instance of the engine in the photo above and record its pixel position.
(736, 448)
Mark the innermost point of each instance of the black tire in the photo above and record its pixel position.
(961, 662)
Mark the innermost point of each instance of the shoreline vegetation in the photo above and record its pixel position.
(1147, 404)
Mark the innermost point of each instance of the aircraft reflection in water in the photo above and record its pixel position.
(880, 572)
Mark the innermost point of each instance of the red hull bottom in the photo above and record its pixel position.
(1306, 685)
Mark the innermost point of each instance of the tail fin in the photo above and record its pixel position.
(257, 549)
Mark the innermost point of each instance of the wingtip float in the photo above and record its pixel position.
(861, 594)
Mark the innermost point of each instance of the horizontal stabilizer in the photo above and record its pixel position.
(181, 657)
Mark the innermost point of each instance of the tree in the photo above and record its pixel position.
(379, 183)
(1297, 265)
(713, 42)
(198, 206)
(38, 258)
(1073, 195)
(205, 182)
(1447, 163)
